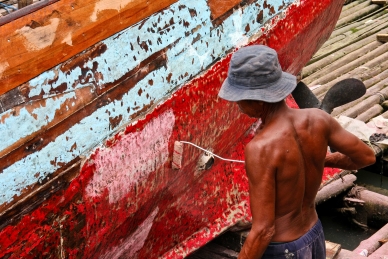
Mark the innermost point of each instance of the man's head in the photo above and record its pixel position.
(255, 74)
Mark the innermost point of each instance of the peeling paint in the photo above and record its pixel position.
(29, 121)
(108, 5)
(133, 159)
(40, 37)
(97, 213)
(131, 245)
(3, 66)
(68, 39)
(87, 137)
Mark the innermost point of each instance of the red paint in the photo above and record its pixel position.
(193, 207)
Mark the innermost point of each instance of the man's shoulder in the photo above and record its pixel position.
(314, 116)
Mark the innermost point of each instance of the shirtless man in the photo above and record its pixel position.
(286, 158)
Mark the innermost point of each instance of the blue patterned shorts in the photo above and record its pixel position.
(309, 246)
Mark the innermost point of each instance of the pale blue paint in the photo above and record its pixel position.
(113, 64)
(17, 127)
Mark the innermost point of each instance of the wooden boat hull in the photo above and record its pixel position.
(86, 159)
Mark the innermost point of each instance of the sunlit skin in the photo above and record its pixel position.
(284, 164)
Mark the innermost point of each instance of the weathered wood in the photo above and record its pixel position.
(26, 10)
(369, 44)
(382, 37)
(370, 113)
(381, 252)
(379, 2)
(350, 64)
(376, 206)
(354, 200)
(372, 243)
(374, 67)
(81, 98)
(356, 15)
(345, 63)
(220, 7)
(370, 92)
(367, 103)
(21, 94)
(352, 8)
(353, 27)
(37, 194)
(111, 92)
(334, 188)
(332, 250)
(346, 254)
(29, 48)
(23, 3)
(351, 38)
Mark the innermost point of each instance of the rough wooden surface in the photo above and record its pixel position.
(372, 244)
(382, 37)
(381, 2)
(335, 188)
(332, 250)
(23, 3)
(31, 45)
(219, 7)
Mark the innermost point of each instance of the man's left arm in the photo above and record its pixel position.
(262, 194)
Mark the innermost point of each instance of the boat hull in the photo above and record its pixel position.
(118, 195)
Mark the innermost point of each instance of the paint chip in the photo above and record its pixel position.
(108, 5)
(68, 40)
(3, 67)
(144, 152)
(40, 37)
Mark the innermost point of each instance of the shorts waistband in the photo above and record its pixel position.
(306, 239)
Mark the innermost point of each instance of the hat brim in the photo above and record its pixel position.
(272, 93)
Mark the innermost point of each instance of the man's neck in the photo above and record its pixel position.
(272, 112)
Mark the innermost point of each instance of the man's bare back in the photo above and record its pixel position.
(294, 144)
(285, 160)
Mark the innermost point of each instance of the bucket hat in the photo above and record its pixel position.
(255, 74)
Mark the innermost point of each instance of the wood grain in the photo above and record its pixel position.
(85, 107)
(40, 40)
(220, 7)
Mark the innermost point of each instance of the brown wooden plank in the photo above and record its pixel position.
(111, 92)
(53, 34)
(23, 3)
(222, 17)
(82, 97)
(26, 10)
(379, 2)
(220, 7)
(382, 37)
(21, 94)
(332, 249)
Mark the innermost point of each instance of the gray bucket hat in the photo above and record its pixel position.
(255, 74)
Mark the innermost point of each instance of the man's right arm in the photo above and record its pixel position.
(352, 153)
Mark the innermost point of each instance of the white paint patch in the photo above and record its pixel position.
(40, 37)
(132, 244)
(68, 39)
(3, 67)
(132, 159)
(201, 58)
(238, 37)
(108, 5)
